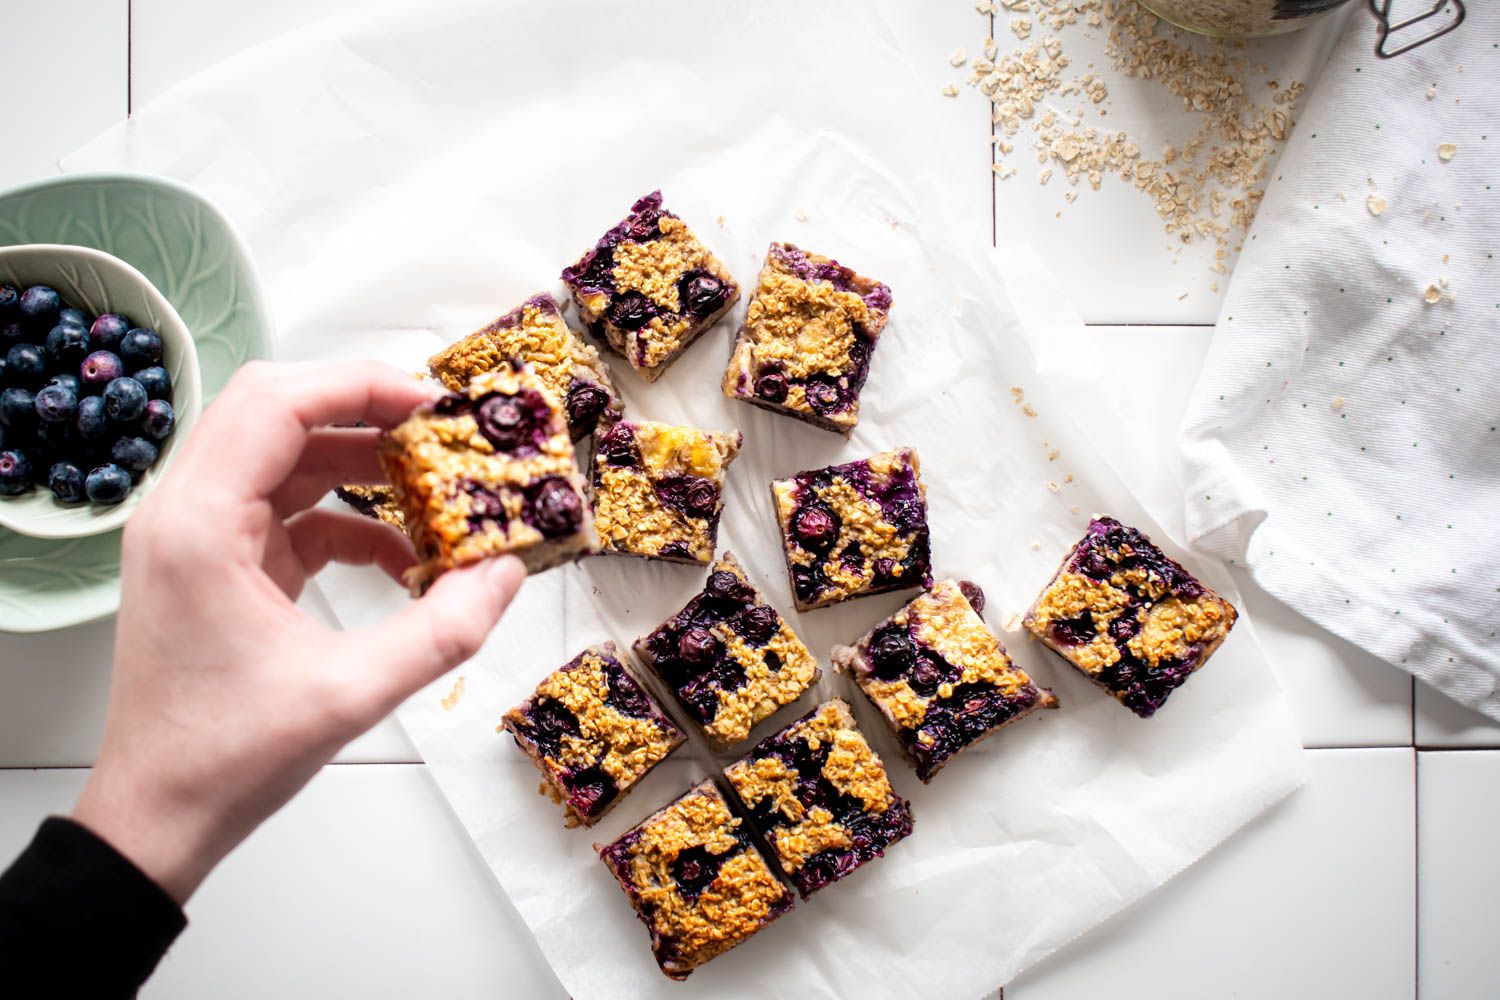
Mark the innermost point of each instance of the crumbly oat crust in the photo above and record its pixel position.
(593, 732)
(378, 502)
(855, 529)
(536, 333)
(821, 797)
(649, 288)
(485, 472)
(659, 489)
(940, 676)
(730, 658)
(695, 880)
(1128, 617)
(805, 346)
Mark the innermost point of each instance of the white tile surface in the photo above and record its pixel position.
(1458, 875)
(365, 886)
(1314, 900)
(1443, 722)
(62, 71)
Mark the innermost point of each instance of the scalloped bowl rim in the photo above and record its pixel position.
(23, 514)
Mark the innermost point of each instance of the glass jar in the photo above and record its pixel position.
(1241, 18)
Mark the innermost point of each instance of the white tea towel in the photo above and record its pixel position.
(1342, 441)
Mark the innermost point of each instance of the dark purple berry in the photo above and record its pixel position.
(1075, 631)
(555, 508)
(823, 395)
(626, 695)
(92, 422)
(39, 307)
(771, 387)
(892, 652)
(140, 348)
(124, 399)
(631, 311)
(133, 453)
(701, 293)
(10, 333)
(701, 499)
(726, 588)
(25, 365)
(107, 484)
(698, 646)
(1124, 628)
(17, 409)
(814, 528)
(56, 404)
(757, 625)
(590, 790)
(107, 331)
(65, 480)
(973, 595)
(99, 370)
(75, 317)
(617, 445)
(158, 420)
(694, 870)
(585, 402)
(157, 382)
(66, 346)
(15, 472)
(505, 421)
(10, 300)
(71, 382)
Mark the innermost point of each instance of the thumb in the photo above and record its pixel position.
(438, 631)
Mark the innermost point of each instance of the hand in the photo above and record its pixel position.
(227, 698)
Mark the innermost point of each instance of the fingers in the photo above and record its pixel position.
(251, 439)
(320, 536)
(332, 456)
(432, 634)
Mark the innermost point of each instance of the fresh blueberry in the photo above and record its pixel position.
(15, 472)
(772, 387)
(973, 594)
(66, 346)
(56, 404)
(10, 333)
(39, 307)
(107, 332)
(140, 348)
(17, 409)
(72, 382)
(555, 508)
(99, 370)
(631, 311)
(157, 382)
(585, 402)
(66, 482)
(107, 484)
(814, 528)
(133, 453)
(10, 300)
(701, 293)
(77, 317)
(124, 399)
(25, 365)
(159, 419)
(92, 421)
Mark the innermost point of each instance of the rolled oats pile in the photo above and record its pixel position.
(1207, 187)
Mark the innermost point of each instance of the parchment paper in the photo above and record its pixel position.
(405, 178)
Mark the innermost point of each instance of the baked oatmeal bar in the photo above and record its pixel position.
(378, 502)
(695, 880)
(536, 333)
(940, 677)
(1130, 618)
(487, 471)
(648, 288)
(820, 797)
(805, 346)
(729, 657)
(856, 529)
(592, 731)
(659, 489)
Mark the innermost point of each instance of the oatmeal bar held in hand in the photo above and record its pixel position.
(805, 346)
(821, 798)
(695, 880)
(536, 333)
(659, 489)
(729, 657)
(1131, 619)
(940, 676)
(593, 732)
(855, 529)
(488, 471)
(648, 288)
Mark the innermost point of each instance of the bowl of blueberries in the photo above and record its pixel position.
(99, 380)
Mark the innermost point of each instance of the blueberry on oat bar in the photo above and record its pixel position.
(1130, 618)
(821, 798)
(729, 657)
(378, 502)
(593, 732)
(695, 880)
(487, 471)
(659, 489)
(805, 346)
(856, 529)
(648, 288)
(940, 677)
(536, 333)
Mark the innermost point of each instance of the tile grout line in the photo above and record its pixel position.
(1416, 868)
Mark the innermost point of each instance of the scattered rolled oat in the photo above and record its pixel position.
(1433, 295)
(1431, 93)
(958, 58)
(800, 215)
(1074, 508)
(1017, 394)
(1446, 151)
(1036, 546)
(1053, 487)
(1052, 454)
(1026, 409)
(950, 90)
(450, 701)
(1337, 402)
(1376, 204)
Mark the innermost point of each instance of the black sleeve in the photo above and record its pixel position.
(77, 918)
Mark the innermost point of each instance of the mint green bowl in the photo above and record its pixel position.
(190, 253)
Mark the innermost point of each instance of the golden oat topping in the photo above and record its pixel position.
(378, 502)
(658, 489)
(695, 880)
(821, 797)
(593, 731)
(487, 471)
(732, 660)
